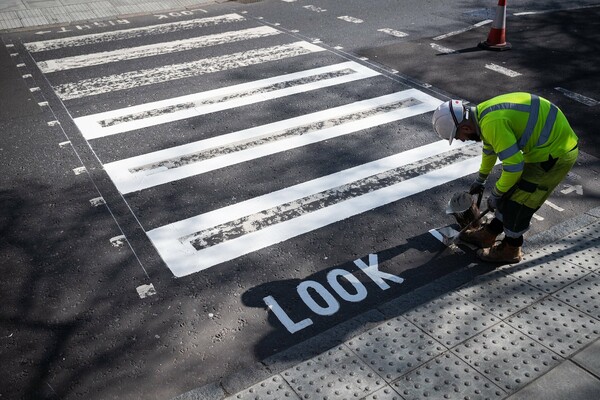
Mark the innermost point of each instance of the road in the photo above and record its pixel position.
(188, 194)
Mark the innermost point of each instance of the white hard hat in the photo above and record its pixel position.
(446, 119)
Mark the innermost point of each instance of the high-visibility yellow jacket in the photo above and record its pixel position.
(521, 128)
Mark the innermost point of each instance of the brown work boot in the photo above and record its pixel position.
(501, 253)
(482, 237)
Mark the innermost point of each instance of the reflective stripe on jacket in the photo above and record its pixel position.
(521, 128)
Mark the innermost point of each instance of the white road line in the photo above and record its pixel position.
(551, 204)
(122, 34)
(468, 28)
(393, 32)
(537, 217)
(175, 109)
(442, 49)
(130, 80)
(348, 18)
(578, 97)
(129, 174)
(183, 259)
(502, 70)
(131, 53)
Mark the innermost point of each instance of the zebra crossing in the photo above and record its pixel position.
(223, 68)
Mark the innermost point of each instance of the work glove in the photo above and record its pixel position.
(478, 185)
(494, 199)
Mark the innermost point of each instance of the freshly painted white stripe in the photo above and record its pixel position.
(552, 205)
(468, 28)
(502, 70)
(183, 259)
(554, 10)
(537, 217)
(588, 101)
(123, 34)
(106, 57)
(91, 126)
(128, 181)
(167, 73)
(442, 49)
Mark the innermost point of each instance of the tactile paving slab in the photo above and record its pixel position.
(507, 357)
(451, 319)
(557, 326)
(274, 388)
(580, 248)
(583, 294)
(546, 272)
(394, 348)
(500, 294)
(335, 374)
(386, 393)
(446, 377)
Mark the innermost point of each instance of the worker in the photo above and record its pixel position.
(537, 148)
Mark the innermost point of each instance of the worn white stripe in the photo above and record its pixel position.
(106, 57)
(468, 28)
(442, 49)
(122, 34)
(502, 70)
(393, 32)
(167, 73)
(588, 101)
(183, 259)
(91, 127)
(121, 172)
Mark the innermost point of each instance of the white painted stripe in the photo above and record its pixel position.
(167, 73)
(348, 18)
(463, 30)
(123, 34)
(183, 259)
(393, 32)
(554, 10)
(552, 205)
(502, 70)
(588, 101)
(442, 49)
(537, 217)
(127, 181)
(106, 57)
(91, 127)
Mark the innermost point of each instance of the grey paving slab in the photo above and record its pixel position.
(557, 326)
(583, 238)
(587, 257)
(583, 294)
(446, 377)
(337, 373)
(386, 393)
(500, 294)
(451, 319)
(394, 348)
(273, 388)
(567, 381)
(546, 272)
(589, 358)
(507, 357)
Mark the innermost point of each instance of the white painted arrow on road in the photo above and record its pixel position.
(570, 188)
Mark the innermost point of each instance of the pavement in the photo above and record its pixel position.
(524, 331)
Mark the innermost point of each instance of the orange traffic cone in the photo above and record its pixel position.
(496, 39)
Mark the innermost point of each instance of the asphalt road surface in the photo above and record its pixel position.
(187, 194)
